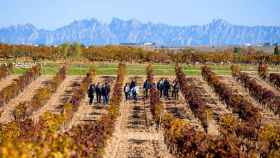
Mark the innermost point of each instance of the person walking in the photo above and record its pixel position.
(91, 90)
(98, 88)
(135, 91)
(132, 84)
(108, 90)
(146, 88)
(166, 87)
(160, 86)
(126, 90)
(105, 93)
(175, 89)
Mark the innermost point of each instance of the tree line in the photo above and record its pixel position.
(76, 51)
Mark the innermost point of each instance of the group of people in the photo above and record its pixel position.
(131, 90)
(164, 86)
(100, 91)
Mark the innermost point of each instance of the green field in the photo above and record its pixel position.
(140, 69)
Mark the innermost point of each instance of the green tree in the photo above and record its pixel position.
(65, 49)
(276, 51)
(77, 50)
(237, 50)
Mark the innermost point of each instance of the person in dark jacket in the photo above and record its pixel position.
(132, 84)
(146, 88)
(166, 87)
(175, 89)
(98, 92)
(103, 93)
(160, 85)
(105, 90)
(91, 93)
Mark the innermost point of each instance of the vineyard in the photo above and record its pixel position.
(49, 116)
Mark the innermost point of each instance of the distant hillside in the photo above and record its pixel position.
(88, 32)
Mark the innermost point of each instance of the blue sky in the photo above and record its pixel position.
(51, 14)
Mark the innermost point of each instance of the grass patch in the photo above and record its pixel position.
(137, 69)
(19, 71)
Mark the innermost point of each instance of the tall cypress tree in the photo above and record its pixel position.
(276, 51)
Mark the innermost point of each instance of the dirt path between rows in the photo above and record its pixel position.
(135, 134)
(26, 95)
(268, 116)
(267, 85)
(180, 109)
(7, 81)
(57, 98)
(88, 113)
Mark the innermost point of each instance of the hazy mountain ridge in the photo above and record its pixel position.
(92, 31)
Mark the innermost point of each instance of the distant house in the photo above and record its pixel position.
(149, 45)
(129, 44)
(267, 44)
(248, 44)
(146, 45)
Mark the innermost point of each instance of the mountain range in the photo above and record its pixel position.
(94, 32)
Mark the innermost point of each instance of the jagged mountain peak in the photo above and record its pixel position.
(27, 26)
(92, 31)
(118, 21)
(84, 23)
(219, 22)
(134, 21)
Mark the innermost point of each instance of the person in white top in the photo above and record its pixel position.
(126, 90)
(135, 91)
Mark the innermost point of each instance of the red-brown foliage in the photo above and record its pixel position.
(238, 103)
(18, 85)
